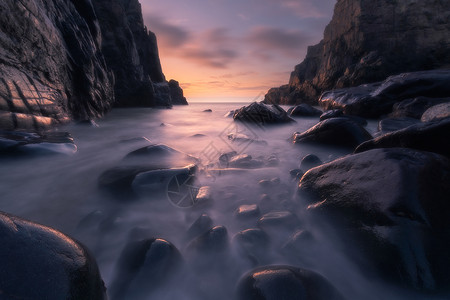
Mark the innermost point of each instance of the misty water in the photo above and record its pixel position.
(60, 191)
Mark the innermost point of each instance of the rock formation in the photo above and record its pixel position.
(367, 41)
(65, 60)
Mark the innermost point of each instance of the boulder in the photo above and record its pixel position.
(214, 241)
(39, 262)
(128, 182)
(253, 244)
(30, 143)
(376, 99)
(158, 155)
(279, 220)
(200, 226)
(285, 283)
(310, 161)
(437, 112)
(144, 267)
(389, 207)
(414, 108)
(432, 137)
(304, 110)
(336, 131)
(262, 114)
(339, 113)
(394, 124)
(245, 212)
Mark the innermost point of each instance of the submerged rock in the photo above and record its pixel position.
(214, 241)
(376, 99)
(336, 131)
(285, 283)
(159, 155)
(27, 143)
(247, 212)
(432, 137)
(39, 262)
(144, 267)
(262, 114)
(389, 207)
(253, 244)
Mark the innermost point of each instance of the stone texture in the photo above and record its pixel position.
(51, 66)
(437, 112)
(431, 137)
(71, 60)
(414, 108)
(376, 99)
(389, 207)
(367, 41)
(39, 262)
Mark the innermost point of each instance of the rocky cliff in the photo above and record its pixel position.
(64, 60)
(367, 41)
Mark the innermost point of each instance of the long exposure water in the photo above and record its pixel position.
(60, 191)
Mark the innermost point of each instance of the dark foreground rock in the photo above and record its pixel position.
(432, 137)
(376, 99)
(340, 132)
(339, 113)
(262, 114)
(304, 110)
(38, 262)
(390, 208)
(143, 268)
(394, 124)
(16, 143)
(285, 283)
(414, 108)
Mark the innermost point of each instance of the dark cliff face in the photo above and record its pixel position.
(63, 60)
(130, 51)
(51, 66)
(367, 41)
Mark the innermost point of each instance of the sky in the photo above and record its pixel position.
(233, 50)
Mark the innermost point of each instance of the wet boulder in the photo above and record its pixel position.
(310, 161)
(285, 283)
(432, 137)
(200, 226)
(437, 112)
(214, 240)
(339, 132)
(158, 155)
(304, 110)
(39, 262)
(32, 143)
(279, 220)
(128, 182)
(415, 107)
(253, 244)
(390, 208)
(143, 268)
(339, 113)
(375, 99)
(262, 114)
(394, 124)
(245, 212)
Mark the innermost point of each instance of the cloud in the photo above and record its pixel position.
(306, 8)
(268, 40)
(169, 35)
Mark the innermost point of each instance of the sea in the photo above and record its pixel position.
(62, 191)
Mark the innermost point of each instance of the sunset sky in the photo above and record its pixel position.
(234, 49)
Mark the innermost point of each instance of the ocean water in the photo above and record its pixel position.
(60, 191)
